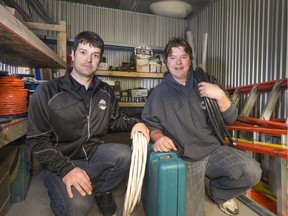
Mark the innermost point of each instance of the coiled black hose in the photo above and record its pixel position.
(213, 110)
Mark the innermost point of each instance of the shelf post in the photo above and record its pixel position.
(62, 46)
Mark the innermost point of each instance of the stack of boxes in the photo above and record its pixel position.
(153, 65)
(143, 61)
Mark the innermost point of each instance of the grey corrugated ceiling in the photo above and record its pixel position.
(141, 6)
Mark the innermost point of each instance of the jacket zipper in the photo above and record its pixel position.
(88, 129)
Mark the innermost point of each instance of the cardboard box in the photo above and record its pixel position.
(103, 66)
(4, 188)
(142, 65)
(139, 93)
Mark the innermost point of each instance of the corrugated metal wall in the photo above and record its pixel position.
(247, 40)
(247, 43)
(121, 27)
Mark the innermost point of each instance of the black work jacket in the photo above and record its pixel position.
(60, 129)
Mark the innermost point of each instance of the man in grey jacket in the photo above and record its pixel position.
(176, 115)
(67, 118)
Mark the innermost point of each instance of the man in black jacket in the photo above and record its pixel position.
(178, 120)
(67, 118)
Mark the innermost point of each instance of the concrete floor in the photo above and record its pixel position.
(37, 203)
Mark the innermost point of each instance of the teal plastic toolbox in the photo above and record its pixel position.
(164, 188)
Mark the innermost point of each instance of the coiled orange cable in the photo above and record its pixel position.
(13, 96)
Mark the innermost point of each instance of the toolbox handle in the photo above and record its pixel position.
(164, 155)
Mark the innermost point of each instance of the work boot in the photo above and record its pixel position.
(106, 204)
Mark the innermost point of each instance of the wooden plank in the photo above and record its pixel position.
(130, 74)
(13, 130)
(131, 104)
(62, 46)
(44, 26)
(21, 47)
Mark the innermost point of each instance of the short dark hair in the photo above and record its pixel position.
(176, 42)
(89, 37)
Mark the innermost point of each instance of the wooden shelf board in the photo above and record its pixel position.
(130, 74)
(13, 130)
(21, 47)
(131, 104)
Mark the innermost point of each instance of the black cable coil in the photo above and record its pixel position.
(213, 110)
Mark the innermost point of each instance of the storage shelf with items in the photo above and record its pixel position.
(130, 81)
(20, 47)
(139, 73)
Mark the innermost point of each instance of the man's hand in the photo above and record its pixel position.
(215, 92)
(141, 128)
(80, 180)
(162, 143)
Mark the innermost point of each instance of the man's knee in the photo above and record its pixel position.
(254, 173)
(124, 156)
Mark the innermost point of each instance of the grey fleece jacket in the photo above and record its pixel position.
(177, 111)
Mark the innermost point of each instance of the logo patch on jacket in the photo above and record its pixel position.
(102, 104)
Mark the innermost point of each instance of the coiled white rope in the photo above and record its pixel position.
(136, 173)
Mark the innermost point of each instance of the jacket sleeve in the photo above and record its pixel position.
(152, 112)
(120, 121)
(40, 132)
(230, 115)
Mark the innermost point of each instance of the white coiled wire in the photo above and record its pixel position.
(136, 173)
